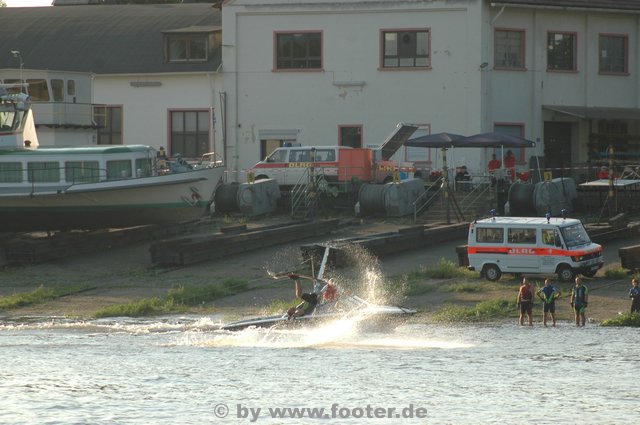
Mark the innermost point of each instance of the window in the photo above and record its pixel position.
(521, 235)
(508, 49)
(81, 171)
(43, 172)
(298, 50)
(10, 172)
(350, 135)
(143, 167)
(561, 51)
(490, 235)
(406, 49)
(119, 169)
(512, 130)
(71, 87)
(189, 133)
(267, 146)
(109, 121)
(186, 48)
(614, 54)
(57, 89)
(38, 89)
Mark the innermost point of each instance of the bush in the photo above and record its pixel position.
(480, 312)
(628, 319)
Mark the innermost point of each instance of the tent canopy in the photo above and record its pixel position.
(483, 140)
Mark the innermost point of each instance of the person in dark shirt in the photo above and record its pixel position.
(548, 294)
(309, 300)
(579, 301)
(634, 294)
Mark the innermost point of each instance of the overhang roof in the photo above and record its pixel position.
(103, 39)
(631, 5)
(593, 112)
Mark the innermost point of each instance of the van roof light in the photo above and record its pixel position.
(565, 213)
(548, 217)
(493, 213)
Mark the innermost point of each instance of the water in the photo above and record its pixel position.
(184, 370)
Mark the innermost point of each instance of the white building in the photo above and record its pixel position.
(261, 73)
(319, 72)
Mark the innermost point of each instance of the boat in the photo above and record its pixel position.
(93, 187)
(365, 315)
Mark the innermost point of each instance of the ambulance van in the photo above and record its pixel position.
(528, 245)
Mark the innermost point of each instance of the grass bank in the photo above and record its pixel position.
(40, 295)
(178, 299)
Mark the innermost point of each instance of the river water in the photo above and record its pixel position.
(183, 370)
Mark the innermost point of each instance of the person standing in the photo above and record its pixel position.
(634, 294)
(525, 301)
(548, 294)
(579, 301)
(510, 165)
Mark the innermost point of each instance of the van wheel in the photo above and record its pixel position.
(566, 274)
(262, 177)
(492, 272)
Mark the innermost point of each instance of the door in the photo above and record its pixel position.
(557, 147)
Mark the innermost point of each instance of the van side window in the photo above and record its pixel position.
(522, 235)
(490, 234)
(299, 156)
(549, 237)
(324, 155)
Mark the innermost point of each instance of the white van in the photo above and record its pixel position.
(532, 245)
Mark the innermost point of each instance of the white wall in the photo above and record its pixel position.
(146, 109)
(448, 96)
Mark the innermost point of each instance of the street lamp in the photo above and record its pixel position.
(16, 54)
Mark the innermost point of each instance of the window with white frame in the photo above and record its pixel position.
(561, 51)
(189, 133)
(109, 121)
(508, 49)
(406, 48)
(298, 50)
(614, 53)
(186, 48)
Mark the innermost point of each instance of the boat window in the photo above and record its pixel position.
(71, 87)
(57, 89)
(143, 167)
(38, 89)
(120, 169)
(490, 234)
(10, 172)
(82, 171)
(43, 172)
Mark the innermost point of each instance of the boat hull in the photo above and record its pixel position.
(160, 199)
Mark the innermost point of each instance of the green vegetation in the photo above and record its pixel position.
(280, 306)
(40, 295)
(483, 311)
(178, 299)
(413, 282)
(628, 319)
(618, 273)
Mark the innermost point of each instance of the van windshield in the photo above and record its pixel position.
(575, 235)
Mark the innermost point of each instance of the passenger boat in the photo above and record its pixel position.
(92, 187)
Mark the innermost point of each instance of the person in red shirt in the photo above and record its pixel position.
(525, 302)
(494, 164)
(510, 164)
(603, 173)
